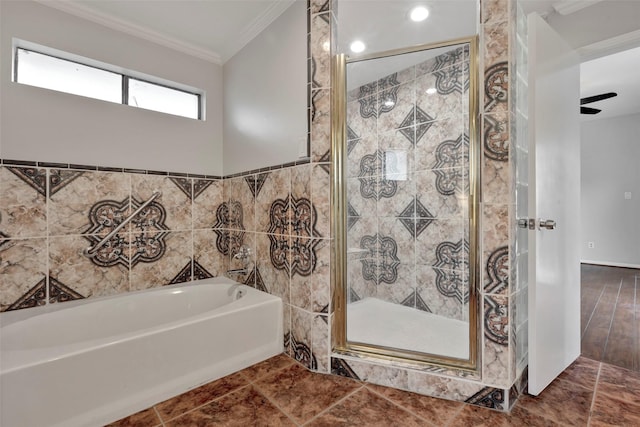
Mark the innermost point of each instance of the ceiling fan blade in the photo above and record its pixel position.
(595, 98)
(587, 110)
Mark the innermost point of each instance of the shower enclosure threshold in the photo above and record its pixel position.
(383, 323)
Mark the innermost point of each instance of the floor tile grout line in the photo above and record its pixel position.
(336, 403)
(458, 412)
(595, 390)
(204, 404)
(158, 415)
(398, 404)
(613, 316)
(586, 327)
(275, 404)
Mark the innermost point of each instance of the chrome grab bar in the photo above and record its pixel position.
(90, 251)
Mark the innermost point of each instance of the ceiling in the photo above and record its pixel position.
(216, 29)
(209, 29)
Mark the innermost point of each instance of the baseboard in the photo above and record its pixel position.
(609, 263)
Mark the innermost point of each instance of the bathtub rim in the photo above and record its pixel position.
(14, 360)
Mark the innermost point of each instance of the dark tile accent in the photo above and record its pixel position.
(139, 171)
(60, 178)
(421, 304)
(109, 169)
(341, 367)
(302, 353)
(83, 167)
(8, 162)
(162, 173)
(496, 319)
(488, 397)
(415, 218)
(409, 301)
(199, 185)
(496, 85)
(34, 297)
(34, 177)
(183, 276)
(353, 296)
(256, 278)
(497, 271)
(59, 292)
(199, 272)
(53, 165)
(184, 184)
(496, 139)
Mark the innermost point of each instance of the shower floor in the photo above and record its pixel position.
(383, 323)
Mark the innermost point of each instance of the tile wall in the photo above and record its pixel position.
(50, 214)
(408, 168)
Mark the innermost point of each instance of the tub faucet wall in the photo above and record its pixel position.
(49, 215)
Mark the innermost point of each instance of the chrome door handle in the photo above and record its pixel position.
(549, 224)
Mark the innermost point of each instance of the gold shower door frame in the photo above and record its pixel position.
(340, 344)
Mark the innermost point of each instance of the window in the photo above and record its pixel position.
(51, 72)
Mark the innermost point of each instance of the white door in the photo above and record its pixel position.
(554, 194)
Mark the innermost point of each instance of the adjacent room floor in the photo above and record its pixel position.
(280, 392)
(610, 309)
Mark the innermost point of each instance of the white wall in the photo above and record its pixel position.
(43, 125)
(265, 96)
(610, 156)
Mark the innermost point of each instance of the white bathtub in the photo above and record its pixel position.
(90, 362)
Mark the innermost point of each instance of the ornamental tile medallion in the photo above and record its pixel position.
(149, 231)
(496, 319)
(498, 271)
(373, 184)
(496, 139)
(496, 86)
(451, 159)
(451, 266)
(453, 79)
(381, 265)
(300, 215)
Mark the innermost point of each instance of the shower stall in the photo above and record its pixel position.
(406, 191)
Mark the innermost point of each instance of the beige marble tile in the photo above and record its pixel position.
(23, 210)
(302, 394)
(175, 199)
(166, 254)
(207, 197)
(178, 405)
(71, 268)
(244, 407)
(23, 268)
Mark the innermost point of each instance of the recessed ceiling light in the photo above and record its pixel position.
(419, 13)
(357, 46)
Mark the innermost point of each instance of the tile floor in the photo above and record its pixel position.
(610, 305)
(280, 392)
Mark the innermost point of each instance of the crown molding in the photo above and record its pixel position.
(255, 27)
(610, 46)
(567, 7)
(132, 29)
